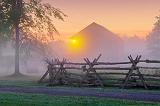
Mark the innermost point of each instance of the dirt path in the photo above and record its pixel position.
(59, 91)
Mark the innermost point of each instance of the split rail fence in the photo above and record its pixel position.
(94, 73)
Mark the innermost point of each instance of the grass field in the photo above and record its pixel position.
(13, 99)
(33, 82)
(28, 81)
(17, 99)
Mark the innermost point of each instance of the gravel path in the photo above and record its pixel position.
(59, 91)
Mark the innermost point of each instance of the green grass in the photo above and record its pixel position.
(13, 99)
(20, 83)
(24, 81)
(33, 82)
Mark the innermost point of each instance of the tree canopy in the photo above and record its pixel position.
(35, 19)
(29, 23)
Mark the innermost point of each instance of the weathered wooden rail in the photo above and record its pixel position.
(94, 73)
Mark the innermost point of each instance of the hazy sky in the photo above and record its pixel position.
(125, 17)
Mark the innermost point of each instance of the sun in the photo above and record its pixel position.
(74, 41)
(76, 44)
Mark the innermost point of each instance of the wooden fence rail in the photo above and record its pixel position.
(97, 73)
(108, 63)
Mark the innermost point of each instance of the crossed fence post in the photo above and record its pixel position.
(132, 70)
(97, 80)
(50, 68)
(61, 72)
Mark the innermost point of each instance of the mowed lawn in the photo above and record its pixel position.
(17, 99)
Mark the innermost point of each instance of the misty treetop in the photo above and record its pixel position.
(154, 39)
(34, 18)
(157, 24)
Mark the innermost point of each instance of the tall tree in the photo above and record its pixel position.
(27, 20)
(154, 39)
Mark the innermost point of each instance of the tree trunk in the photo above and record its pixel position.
(17, 72)
(18, 8)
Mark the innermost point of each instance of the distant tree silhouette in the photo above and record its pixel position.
(154, 39)
(27, 21)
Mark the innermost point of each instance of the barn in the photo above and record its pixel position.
(94, 40)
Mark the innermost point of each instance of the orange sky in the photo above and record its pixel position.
(124, 17)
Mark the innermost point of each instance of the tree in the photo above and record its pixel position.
(154, 39)
(27, 21)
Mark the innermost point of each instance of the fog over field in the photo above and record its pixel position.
(96, 40)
